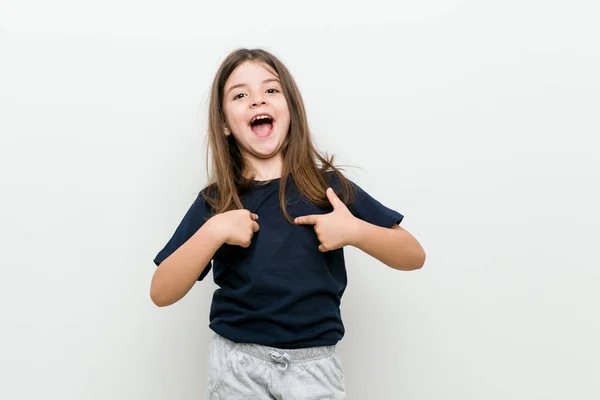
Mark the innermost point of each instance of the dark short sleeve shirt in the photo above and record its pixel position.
(195, 217)
(281, 291)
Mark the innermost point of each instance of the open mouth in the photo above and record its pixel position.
(262, 125)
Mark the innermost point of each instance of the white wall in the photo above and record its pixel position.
(477, 120)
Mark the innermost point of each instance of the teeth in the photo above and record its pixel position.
(260, 117)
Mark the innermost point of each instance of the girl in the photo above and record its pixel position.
(272, 223)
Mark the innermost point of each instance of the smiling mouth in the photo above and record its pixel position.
(262, 126)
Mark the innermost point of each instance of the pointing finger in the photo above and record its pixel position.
(307, 220)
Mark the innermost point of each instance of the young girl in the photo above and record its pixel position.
(273, 223)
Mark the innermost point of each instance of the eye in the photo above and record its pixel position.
(237, 96)
(274, 90)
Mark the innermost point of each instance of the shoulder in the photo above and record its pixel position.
(205, 198)
(344, 187)
(336, 179)
(208, 191)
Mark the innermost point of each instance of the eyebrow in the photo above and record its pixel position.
(243, 84)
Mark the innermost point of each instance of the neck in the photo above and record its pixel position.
(265, 169)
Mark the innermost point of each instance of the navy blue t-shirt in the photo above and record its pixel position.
(281, 291)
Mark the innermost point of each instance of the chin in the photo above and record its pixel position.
(268, 148)
(265, 154)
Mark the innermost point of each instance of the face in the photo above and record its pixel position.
(253, 91)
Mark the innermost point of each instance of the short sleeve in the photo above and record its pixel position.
(195, 217)
(372, 211)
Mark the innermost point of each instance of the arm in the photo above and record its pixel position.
(395, 247)
(176, 275)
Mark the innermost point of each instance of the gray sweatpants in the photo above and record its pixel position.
(242, 371)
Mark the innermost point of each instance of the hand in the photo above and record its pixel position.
(235, 227)
(335, 229)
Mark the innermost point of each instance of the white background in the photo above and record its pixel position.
(477, 120)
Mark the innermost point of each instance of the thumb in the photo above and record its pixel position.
(334, 200)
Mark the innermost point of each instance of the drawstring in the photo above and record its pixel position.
(281, 358)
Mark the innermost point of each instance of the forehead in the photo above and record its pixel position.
(250, 72)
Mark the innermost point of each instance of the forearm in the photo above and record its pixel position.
(176, 275)
(396, 248)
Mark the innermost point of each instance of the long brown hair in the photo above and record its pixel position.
(302, 162)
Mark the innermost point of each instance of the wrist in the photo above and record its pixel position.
(359, 230)
(214, 230)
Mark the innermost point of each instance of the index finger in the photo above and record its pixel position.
(307, 220)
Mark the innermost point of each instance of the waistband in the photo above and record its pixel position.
(272, 353)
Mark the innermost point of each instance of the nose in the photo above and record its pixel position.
(258, 99)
